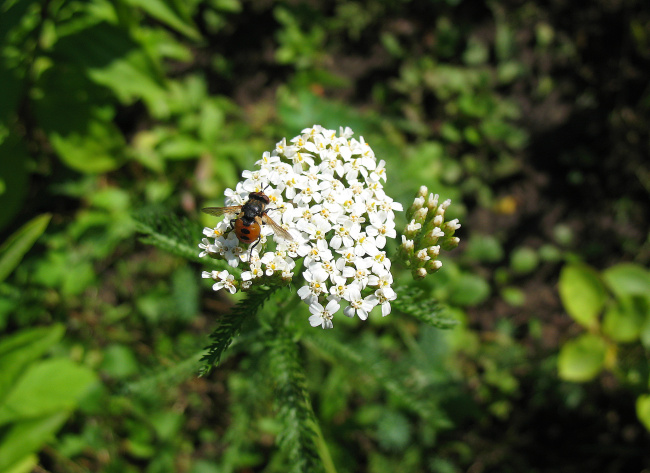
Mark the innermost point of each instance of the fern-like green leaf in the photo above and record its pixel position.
(231, 323)
(299, 437)
(414, 302)
(178, 236)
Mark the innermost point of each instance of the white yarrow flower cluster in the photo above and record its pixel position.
(326, 190)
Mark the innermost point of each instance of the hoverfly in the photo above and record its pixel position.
(250, 218)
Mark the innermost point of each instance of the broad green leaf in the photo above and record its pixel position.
(78, 120)
(623, 320)
(212, 120)
(47, 387)
(27, 437)
(628, 279)
(25, 465)
(99, 149)
(30, 340)
(643, 410)
(582, 359)
(582, 294)
(67, 271)
(20, 242)
(20, 349)
(182, 147)
(165, 12)
(13, 177)
(111, 58)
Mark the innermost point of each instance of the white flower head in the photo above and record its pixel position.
(323, 315)
(325, 189)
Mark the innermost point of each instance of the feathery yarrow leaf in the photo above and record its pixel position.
(298, 437)
(171, 234)
(231, 323)
(412, 301)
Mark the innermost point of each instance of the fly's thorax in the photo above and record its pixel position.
(253, 208)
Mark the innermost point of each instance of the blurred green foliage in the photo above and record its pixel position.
(614, 307)
(533, 118)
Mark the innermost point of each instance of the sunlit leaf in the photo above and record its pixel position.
(165, 11)
(623, 320)
(643, 409)
(20, 349)
(582, 359)
(24, 438)
(25, 465)
(19, 243)
(47, 387)
(582, 294)
(79, 123)
(113, 59)
(182, 147)
(627, 279)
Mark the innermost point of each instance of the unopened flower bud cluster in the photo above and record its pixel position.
(426, 233)
(326, 190)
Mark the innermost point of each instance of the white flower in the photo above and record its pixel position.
(383, 281)
(360, 274)
(255, 272)
(273, 263)
(323, 316)
(340, 288)
(225, 280)
(380, 263)
(207, 248)
(359, 305)
(316, 277)
(383, 298)
(345, 234)
(381, 228)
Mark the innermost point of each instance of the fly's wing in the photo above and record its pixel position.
(217, 211)
(277, 229)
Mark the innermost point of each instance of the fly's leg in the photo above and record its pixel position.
(250, 251)
(260, 222)
(232, 226)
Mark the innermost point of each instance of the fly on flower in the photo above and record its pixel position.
(327, 187)
(250, 218)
